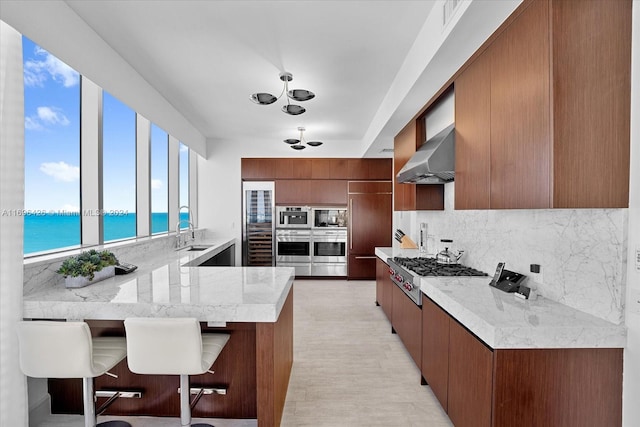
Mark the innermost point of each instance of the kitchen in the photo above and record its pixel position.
(481, 233)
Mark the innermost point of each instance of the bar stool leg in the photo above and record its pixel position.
(185, 405)
(88, 402)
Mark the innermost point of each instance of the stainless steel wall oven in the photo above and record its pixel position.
(329, 255)
(293, 249)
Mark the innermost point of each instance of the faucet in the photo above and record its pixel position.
(179, 243)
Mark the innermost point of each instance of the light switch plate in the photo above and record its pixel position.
(638, 259)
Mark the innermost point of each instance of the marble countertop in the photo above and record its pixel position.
(503, 321)
(170, 284)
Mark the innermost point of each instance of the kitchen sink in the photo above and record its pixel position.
(194, 248)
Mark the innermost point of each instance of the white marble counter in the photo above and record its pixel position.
(169, 284)
(503, 321)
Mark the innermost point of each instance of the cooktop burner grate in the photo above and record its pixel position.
(429, 267)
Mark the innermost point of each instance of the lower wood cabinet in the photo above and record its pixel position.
(470, 371)
(479, 386)
(406, 321)
(384, 288)
(435, 350)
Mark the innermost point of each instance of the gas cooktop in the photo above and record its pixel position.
(429, 267)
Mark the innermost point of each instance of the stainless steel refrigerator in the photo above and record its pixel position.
(258, 226)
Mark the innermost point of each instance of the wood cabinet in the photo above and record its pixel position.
(311, 192)
(435, 350)
(329, 169)
(369, 169)
(411, 197)
(473, 136)
(481, 386)
(556, 97)
(406, 321)
(370, 222)
(470, 379)
(384, 288)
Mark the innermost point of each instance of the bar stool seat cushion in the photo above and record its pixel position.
(66, 350)
(171, 346)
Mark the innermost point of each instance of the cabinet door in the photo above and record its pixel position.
(257, 168)
(328, 192)
(369, 223)
(292, 168)
(329, 168)
(435, 349)
(520, 112)
(384, 288)
(404, 145)
(372, 169)
(407, 322)
(293, 191)
(470, 379)
(361, 267)
(473, 135)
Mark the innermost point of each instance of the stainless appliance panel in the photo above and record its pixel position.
(302, 269)
(329, 269)
(293, 217)
(293, 246)
(258, 228)
(326, 217)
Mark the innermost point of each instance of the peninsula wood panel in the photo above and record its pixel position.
(558, 387)
(470, 379)
(435, 350)
(520, 113)
(591, 103)
(274, 362)
(473, 136)
(234, 369)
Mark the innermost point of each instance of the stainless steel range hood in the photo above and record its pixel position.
(433, 162)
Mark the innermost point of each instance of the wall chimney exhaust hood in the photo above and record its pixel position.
(433, 162)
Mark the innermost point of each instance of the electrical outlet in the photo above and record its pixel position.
(634, 301)
(638, 259)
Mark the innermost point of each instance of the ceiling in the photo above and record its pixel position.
(364, 60)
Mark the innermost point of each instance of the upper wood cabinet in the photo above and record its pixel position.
(311, 192)
(549, 99)
(369, 169)
(411, 197)
(317, 168)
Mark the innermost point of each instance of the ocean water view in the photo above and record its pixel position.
(44, 232)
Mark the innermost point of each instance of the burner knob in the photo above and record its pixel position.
(399, 279)
(408, 286)
(392, 271)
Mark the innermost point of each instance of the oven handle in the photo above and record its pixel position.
(366, 257)
(350, 224)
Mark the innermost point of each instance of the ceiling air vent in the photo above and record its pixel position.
(448, 8)
(387, 150)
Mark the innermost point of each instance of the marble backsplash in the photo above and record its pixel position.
(582, 252)
(41, 271)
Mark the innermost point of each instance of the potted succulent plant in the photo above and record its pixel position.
(88, 267)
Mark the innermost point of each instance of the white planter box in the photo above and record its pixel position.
(81, 281)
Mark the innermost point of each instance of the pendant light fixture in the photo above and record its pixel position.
(296, 144)
(263, 98)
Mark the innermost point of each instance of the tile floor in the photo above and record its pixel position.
(349, 370)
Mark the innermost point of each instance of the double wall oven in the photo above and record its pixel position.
(312, 240)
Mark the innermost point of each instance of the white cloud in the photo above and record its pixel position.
(36, 71)
(184, 148)
(52, 115)
(32, 123)
(156, 184)
(61, 171)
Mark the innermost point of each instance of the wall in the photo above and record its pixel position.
(631, 379)
(582, 252)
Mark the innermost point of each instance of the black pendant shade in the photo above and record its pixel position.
(263, 98)
(296, 144)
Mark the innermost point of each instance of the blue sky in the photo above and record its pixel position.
(52, 142)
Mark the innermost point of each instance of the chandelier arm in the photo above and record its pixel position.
(284, 87)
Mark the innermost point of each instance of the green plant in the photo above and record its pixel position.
(87, 263)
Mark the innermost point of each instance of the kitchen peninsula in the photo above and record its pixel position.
(253, 304)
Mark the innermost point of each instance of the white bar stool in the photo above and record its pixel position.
(172, 346)
(50, 349)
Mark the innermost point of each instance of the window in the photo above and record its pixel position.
(118, 169)
(159, 179)
(52, 151)
(183, 190)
